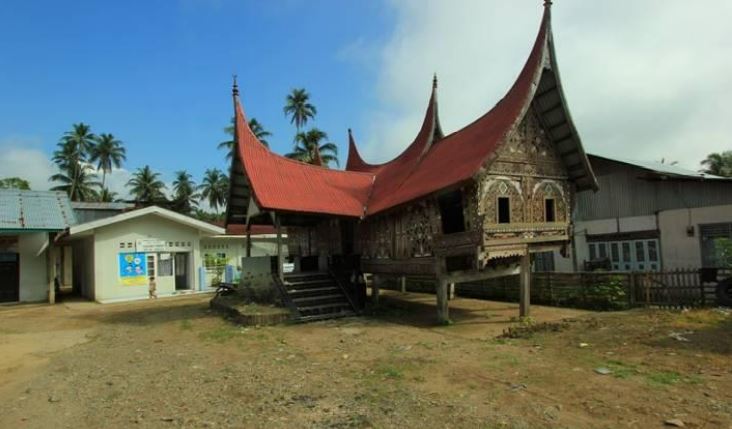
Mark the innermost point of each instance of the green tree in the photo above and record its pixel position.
(299, 108)
(146, 187)
(14, 183)
(259, 131)
(308, 145)
(107, 152)
(718, 164)
(185, 197)
(80, 183)
(215, 188)
(106, 196)
(71, 154)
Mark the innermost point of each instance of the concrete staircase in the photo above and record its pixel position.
(317, 296)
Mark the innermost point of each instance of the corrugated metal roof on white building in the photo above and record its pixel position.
(35, 210)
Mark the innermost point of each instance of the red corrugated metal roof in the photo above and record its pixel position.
(458, 156)
(427, 165)
(280, 183)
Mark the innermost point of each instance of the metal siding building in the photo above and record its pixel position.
(643, 207)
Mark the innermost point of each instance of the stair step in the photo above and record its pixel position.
(307, 276)
(318, 307)
(317, 298)
(313, 291)
(307, 282)
(325, 316)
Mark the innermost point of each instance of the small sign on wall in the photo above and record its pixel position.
(132, 269)
(150, 245)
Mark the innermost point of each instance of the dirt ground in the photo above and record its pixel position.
(173, 363)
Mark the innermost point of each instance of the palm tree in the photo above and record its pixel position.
(108, 152)
(259, 131)
(185, 198)
(78, 183)
(718, 164)
(145, 186)
(72, 152)
(106, 196)
(299, 108)
(308, 147)
(256, 128)
(215, 188)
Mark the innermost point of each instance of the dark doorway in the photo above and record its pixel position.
(9, 277)
(451, 212)
(347, 230)
(309, 263)
(181, 271)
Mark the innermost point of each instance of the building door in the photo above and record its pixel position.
(181, 271)
(9, 277)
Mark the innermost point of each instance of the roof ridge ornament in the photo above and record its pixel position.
(548, 3)
(434, 81)
(234, 87)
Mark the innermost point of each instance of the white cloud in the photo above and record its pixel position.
(22, 157)
(645, 80)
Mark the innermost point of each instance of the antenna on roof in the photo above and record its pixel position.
(235, 87)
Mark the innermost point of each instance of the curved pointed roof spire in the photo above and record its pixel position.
(429, 133)
(355, 162)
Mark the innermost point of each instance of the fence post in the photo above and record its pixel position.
(646, 284)
(549, 286)
(701, 289)
(631, 290)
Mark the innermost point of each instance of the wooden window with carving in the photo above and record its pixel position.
(549, 210)
(451, 212)
(504, 210)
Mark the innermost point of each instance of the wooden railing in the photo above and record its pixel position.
(593, 290)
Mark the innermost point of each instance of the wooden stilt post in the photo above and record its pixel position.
(375, 285)
(443, 309)
(525, 292)
(249, 242)
(51, 272)
(279, 248)
(403, 280)
(451, 291)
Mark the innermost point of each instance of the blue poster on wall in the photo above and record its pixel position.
(132, 269)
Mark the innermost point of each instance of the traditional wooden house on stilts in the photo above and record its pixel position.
(465, 206)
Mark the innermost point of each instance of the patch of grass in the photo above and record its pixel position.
(502, 360)
(664, 377)
(391, 372)
(220, 334)
(622, 369)
(186, 324)
(527, 328)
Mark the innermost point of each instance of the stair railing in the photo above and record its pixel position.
(343, 289)
(285, 295)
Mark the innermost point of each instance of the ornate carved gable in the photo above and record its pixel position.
(528, 151)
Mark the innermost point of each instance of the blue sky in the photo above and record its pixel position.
(644, 80)
(157, 74)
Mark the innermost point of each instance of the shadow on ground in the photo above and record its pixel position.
(713, 337)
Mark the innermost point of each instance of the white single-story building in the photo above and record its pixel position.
(116, 258)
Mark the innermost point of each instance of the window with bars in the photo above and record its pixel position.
(711, 235)
(628, 255)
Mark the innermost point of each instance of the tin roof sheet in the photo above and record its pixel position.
(35, 210)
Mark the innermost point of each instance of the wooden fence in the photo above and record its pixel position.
(592, 290)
